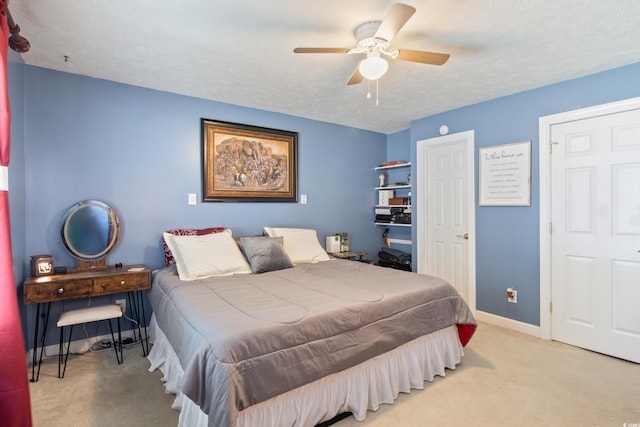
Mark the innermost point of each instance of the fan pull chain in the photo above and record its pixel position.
(369, 91)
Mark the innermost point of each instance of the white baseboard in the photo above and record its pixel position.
(80, 346)
(507, 323)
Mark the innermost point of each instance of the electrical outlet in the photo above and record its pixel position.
(512, 296)
(192, 199)
(303, 199)
(123, 304)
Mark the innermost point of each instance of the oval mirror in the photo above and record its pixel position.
(90, 229)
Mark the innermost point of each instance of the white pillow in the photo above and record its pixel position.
(209, 255)
(301, 244)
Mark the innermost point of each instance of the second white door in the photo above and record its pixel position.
(446, 204)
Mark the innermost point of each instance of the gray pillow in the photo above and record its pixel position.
(265, 253)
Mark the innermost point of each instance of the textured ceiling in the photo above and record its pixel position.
(241, 52)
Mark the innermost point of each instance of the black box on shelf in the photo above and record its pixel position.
(391, 264)
(402, 218)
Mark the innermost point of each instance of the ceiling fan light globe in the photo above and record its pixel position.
(373, 67)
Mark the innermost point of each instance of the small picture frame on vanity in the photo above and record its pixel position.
(41, 265)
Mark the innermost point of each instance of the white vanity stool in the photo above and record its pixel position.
(87, 315)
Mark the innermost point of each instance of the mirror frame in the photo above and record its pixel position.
(113, 234)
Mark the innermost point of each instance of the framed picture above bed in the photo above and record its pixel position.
(243, 163)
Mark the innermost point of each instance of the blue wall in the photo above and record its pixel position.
(140, 151)
(75, 137)
(507, 238)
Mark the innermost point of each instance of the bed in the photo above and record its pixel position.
(277, 333)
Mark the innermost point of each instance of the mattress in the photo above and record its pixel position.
(245, 339)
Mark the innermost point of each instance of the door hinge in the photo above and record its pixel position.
(550, 306)
(551, 144)
(550, 228)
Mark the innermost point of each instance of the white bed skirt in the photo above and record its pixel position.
(363, 387)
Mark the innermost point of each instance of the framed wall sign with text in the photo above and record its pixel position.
(505, 175)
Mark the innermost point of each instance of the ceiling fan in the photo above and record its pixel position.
(374, 39)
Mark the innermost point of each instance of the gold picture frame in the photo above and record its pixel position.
(243, 163)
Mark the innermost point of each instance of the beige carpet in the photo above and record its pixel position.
(96, 391)
(505, 379)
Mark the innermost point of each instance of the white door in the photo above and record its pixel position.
(595, 234)
(445, 196)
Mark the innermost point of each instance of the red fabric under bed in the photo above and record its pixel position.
(465, 332)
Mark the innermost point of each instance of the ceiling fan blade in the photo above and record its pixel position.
(356, 77)
(394, 20)
(320, 50)
(431, 58)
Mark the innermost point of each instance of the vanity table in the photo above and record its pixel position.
(44, 290)
(90, 230)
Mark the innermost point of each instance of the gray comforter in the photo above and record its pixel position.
(243, 339)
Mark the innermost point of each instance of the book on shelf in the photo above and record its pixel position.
(398, 201)
(396, 217)
(384, 218)
(388, 210)
(383, 210)
(393, 163)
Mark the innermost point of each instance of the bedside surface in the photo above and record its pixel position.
(348, 254)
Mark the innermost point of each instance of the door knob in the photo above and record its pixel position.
(464, 236)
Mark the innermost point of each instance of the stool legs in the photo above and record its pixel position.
(64, 356)
(60, 346)
(136, 303)
(117, 345)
